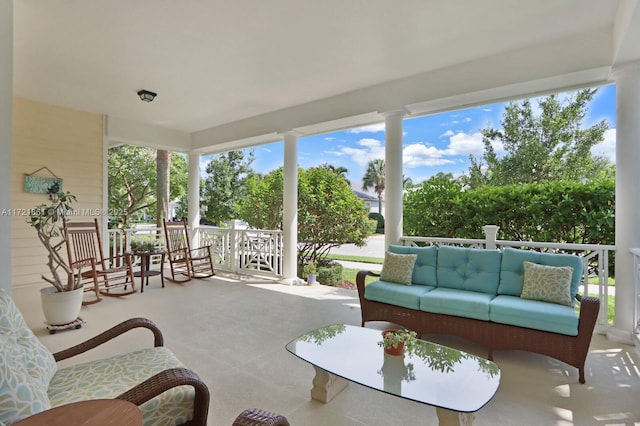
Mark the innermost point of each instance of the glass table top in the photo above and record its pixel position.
(431, 374)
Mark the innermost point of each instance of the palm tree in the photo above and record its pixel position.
(374, 178)
(340, 170)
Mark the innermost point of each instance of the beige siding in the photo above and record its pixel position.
(69, 143)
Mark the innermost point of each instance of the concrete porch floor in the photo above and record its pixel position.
(231, 330)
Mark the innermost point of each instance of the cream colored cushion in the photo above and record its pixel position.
(26, 366)
(547, 283)
(110, 377)
(398, 268)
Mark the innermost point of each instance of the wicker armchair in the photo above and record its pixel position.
(151, 378)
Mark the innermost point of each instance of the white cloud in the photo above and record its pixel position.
(418, 155)
(371, 149)
(447, 134)
(372, 128)
(607, 147)
(470, 144)
(329, 138)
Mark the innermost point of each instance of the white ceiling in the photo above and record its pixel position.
(238, 70)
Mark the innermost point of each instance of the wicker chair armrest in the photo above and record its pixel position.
(360, 279)
(111, 333)
(589, 311)
(257, 417)
(167, 379)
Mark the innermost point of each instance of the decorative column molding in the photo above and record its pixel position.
(393, 176)
(627, 226)
(193, 196)
(290, 208)
(6, 137)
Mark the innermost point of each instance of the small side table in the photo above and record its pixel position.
(145, 263)
(94, 412)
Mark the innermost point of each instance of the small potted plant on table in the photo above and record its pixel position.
(396, 341)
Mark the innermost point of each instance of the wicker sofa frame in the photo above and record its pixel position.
(572, 350)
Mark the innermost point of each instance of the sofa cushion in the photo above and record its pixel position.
(547, 283)
(462, 303)
(26, 366)
(534, 314)
(110, 377)
(512, 272)
(398, 268)
(424, 270)
(469, 269)
(394, 294)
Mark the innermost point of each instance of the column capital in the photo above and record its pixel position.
(401, 112)
(295, 133)
(622, 69)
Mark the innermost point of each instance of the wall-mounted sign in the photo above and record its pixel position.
(42, 184)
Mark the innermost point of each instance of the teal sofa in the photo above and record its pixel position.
(509, 299)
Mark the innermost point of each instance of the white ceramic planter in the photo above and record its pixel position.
(61, 307)
(311, 279)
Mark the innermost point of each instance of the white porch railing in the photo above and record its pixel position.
(260, 251)
(636, 274)
(594, 256)
(256, 251)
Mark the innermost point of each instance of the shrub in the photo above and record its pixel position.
(379, 222)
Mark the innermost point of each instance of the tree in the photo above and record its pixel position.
(329, 215)
(163, 167)
(224, 185)
(132, 180)
(554, 145)
(263, 206)
(374, 177)
(340, 170)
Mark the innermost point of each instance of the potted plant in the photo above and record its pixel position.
(62, 301)
(309, 270)
(397, 341)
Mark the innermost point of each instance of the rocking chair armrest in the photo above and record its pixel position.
(111, 333)
(167, 379)
(81, 263)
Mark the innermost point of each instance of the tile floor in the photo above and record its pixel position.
(232, 330)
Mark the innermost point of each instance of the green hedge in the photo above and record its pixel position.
(565, 212)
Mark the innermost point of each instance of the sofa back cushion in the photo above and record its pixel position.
(469, 269)
(424, 270)
(512, 273)
(26, 366)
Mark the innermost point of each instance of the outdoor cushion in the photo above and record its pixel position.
(424, 270)
(394, 294)
(462, 303)
(469, 269)
(398, 268)
(110, 377)
(534, 314)
(26, 366)
(512, 274)
(547, 283)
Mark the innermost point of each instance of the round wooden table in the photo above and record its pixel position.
(94, 412)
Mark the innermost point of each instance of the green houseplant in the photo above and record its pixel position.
(46, 219)
(397, 341)
(309, 270)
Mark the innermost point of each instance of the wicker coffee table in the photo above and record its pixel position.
(455, 382)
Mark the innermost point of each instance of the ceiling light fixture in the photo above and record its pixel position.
(146, 96)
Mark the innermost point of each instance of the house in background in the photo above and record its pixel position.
(371, 201)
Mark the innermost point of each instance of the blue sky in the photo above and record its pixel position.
(431, 144)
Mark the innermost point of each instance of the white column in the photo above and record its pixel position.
(290, 213)
(393, 176)
(627, 197)
(6, 126)
(193, 196)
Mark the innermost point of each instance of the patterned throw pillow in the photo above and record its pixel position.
(547, 283)
(398, 268)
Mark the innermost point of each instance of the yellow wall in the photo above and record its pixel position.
(69, 143)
